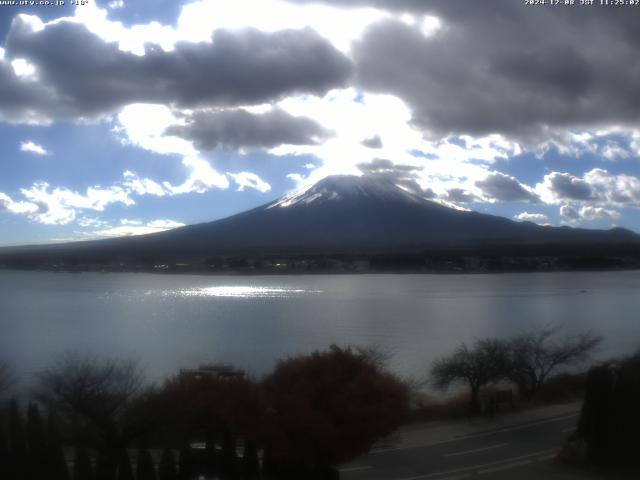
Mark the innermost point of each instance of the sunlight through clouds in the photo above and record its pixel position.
(269, 95)
(341, 27)
(144, 126)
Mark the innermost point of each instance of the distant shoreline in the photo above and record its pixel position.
(509, 258)
(444, 260)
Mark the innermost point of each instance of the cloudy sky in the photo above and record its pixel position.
(126, 117)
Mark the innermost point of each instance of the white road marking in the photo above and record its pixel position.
(491, 447)
(504, 467)
(477, 435)
(355, 469)
(481, 466)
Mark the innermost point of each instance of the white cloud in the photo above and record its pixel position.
(249, 180)
(32, 147)
(7, 204)
(614, 152)
(612, 143)
(129, 228)
(531, 217)
(589, 213)
(202, 177)
(91, 222)
(115, 4)
(597, 187)
(126, 221)
(598, 213)
(60, 205)
(130, 39)
(142, 186)
(621, 190)
(164, 224)
(297, 178)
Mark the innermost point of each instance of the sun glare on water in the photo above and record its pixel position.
(241, 291)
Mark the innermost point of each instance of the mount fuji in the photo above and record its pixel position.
(337, 215)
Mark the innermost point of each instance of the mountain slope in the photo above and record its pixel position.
(340, 214)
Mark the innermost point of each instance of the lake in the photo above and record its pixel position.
(173, 321)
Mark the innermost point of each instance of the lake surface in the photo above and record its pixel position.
(173, 321)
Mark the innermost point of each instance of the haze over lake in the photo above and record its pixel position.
(173, 321)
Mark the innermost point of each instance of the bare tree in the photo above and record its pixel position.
(377, 354)
(536, 354)
(95, 399)
(483, 363)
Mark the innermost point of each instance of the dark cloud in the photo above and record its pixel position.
(460, 195)
(382, 166)
(239, 129)
(569, 213)
(500, 67)
(505, 188)
(373, 142)
(429, 193)
(403, 175)
(80, 75)
(622, 197)
(20, 100)
(496, 66)
(566, 186)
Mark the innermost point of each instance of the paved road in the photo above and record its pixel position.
(520, 451)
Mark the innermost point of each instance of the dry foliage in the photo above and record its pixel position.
(328, 407)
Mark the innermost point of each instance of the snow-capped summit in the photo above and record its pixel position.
(335, 188)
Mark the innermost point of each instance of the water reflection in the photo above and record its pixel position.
(242, 291)
(173, 321)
